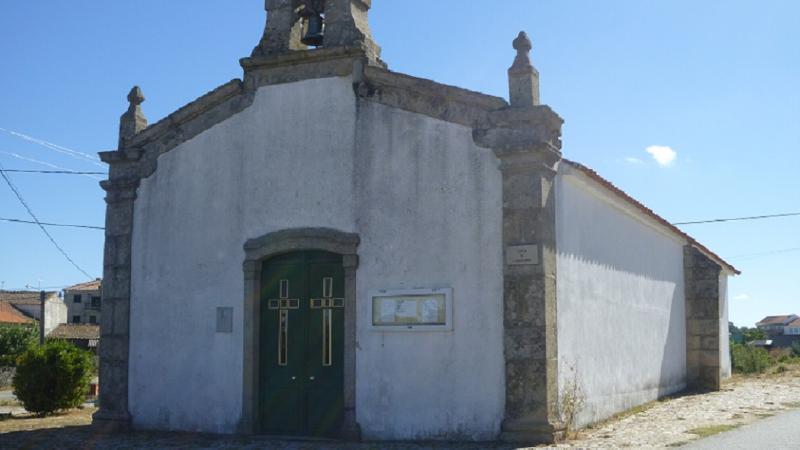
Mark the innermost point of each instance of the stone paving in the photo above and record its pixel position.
(663, 424)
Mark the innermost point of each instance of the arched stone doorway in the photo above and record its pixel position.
(260, 250)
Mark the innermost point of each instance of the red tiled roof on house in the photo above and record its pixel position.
(9, 314)
(76, 331)
(777, 320)
(794, 324)
(649, 212)
(24, 297)
(93, 285)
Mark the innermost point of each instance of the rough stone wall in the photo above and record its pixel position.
(704, 311)
(621, 322)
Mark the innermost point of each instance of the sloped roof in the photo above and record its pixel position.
(794, 324)
(776, 320)
(24, 297)
(649, 212)
(93, 285)
(76, 331)
(9, 314)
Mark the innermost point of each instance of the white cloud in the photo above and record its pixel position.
(741, 297)
(633, 160)
(663, 155)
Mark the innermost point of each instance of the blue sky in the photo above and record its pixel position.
(714, 81)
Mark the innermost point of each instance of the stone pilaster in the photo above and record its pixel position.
(526, 139)
(115, 316)
(703, 315)
(123, 180)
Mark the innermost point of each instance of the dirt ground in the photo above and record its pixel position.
(667, 423)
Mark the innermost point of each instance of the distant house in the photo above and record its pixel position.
(28, 304)
(12, 316)
(792, 328)
(84, 302)
(84, 335)
(776, 325)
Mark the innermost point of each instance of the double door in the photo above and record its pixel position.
(301, 342)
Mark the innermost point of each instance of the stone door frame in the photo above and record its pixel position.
(265, 247)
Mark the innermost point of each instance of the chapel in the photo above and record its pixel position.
(328, 248)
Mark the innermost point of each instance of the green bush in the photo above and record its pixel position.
(14, 340)
(53, 377)
(796, 348)
(747, 359)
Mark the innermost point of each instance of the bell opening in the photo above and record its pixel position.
(315, 34)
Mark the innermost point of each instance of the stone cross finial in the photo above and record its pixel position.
(133, 120)
(523, 78)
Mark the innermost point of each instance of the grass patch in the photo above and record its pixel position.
(712, 430)
(10, 403)
(791, 404)
(764, 415)
(678, 444)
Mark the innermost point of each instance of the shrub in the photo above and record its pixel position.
(746, 359)
(14, 340)
(796, 348)
(53, 377)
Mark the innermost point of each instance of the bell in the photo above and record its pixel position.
(314, 33)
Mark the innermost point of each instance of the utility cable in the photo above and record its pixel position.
(770, 216)
(44, 230)
(90, 227)
(64, 172)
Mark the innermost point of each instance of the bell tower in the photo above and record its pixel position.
(317, 25)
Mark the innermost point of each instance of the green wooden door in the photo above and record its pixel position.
(302, 348)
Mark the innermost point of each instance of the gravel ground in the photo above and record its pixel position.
(664, 424)
(668, 423)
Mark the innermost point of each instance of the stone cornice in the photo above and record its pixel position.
(440, 101)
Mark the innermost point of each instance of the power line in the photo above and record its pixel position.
(758, 255)
(90, 227)
(66, 172)
(770, 216)
(44, 230)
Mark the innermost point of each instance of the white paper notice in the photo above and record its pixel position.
(430, 310)
(387, 310)
(406, 309)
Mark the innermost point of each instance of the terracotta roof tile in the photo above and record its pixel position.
(9, 314)
(76, 331)
(649, 212)
(93, 285)
(24, 297)
(776, 320)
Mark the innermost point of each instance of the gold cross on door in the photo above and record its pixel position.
(326, 304)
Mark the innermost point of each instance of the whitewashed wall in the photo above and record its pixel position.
(621, 308)
(286, 161)
(423, 198)
(429, 214)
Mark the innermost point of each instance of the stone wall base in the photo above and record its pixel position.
(109, 423)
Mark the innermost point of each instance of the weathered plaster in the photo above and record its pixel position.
(621, 325)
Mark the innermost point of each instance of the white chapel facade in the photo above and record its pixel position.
(329, 248)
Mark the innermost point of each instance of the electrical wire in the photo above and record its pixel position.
(770, 216)
(90, 227)
(44, 230)
(64, 172)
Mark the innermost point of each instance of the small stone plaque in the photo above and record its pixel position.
(224, 320)
(522, 255)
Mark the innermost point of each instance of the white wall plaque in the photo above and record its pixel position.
(412, 310)
(522, 255)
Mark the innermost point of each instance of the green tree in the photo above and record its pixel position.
(14, 340)
(52, 377)
(753, 334)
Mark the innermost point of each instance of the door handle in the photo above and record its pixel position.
(311, 378)
(294, 378)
